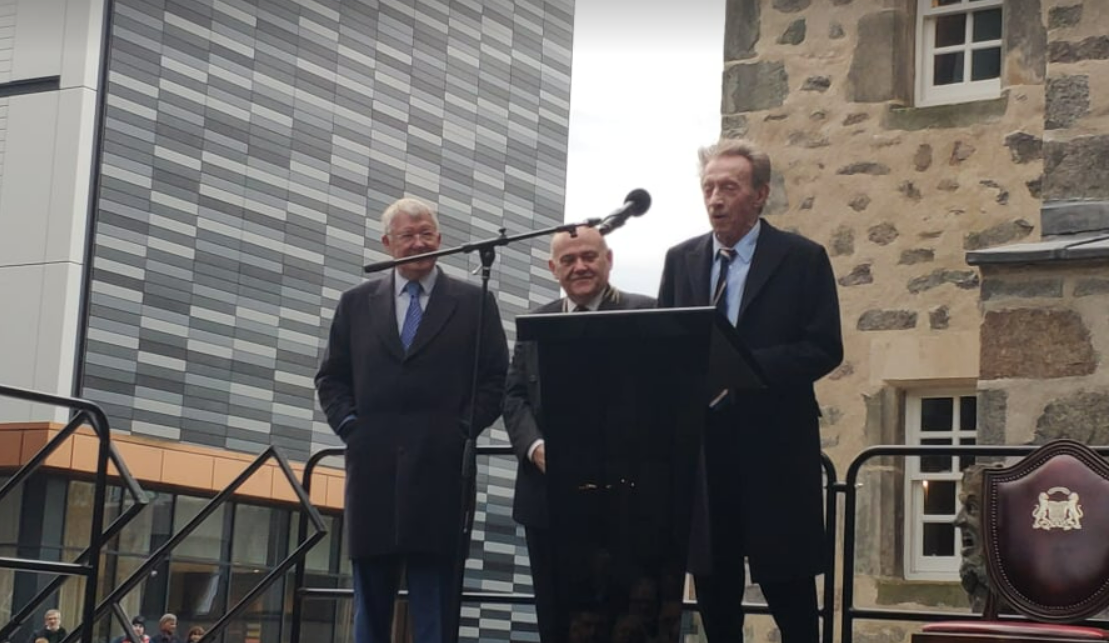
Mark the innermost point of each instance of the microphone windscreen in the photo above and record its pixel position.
(640, 200)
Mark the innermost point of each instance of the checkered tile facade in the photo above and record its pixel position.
(249, 149)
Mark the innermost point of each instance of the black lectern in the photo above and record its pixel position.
(624, 399)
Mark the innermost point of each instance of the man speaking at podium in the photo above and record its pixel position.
(581, 265)
(762, 452)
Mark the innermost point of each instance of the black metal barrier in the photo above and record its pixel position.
(308, 512)
(849, 488)
(87, 563)
(302, 593)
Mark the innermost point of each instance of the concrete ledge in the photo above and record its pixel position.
(1094, 247)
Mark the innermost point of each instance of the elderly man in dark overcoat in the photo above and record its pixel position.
(762, 452)
(395, 386)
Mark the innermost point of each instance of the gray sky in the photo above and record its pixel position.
(645, 95)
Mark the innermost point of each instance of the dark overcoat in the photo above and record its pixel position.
(404, 450)
(763, 451)
(522, 409)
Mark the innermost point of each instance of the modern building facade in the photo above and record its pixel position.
(187, 188)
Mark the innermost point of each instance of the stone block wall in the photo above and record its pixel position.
(897, 194)
(1045, 339)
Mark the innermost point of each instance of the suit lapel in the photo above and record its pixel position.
(770, 250)
(699, 270)
(440, 307)
(383, 317)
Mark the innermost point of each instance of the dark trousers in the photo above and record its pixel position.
(376, 581)
(549, 612)
(792, 604)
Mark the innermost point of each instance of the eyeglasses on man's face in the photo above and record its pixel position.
(409, 236)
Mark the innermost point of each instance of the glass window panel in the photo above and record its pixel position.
(935, 463)
(947, 69)
(986, 25)
(939, 539)
(261, 619)
(968, 413)
(206, 541)
(985, 63)
(944, 3)
(318, 558)
(197, 593)
(936, 413)
(968, 460)
(251, 537)
(939, 497)
(951, 30)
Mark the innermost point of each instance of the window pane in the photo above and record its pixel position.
(197, 593)
(206, 541)
(939, 539)
(968, 413)
(948, 69)
(251, 537)
(987, 25)
(968, 460)
(944, 3)
(951, 30)
(985, 63)
(936, 413)
(935, 463)
(939, 497)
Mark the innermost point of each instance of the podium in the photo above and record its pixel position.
(624, 396)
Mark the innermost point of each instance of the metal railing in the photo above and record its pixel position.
(308, 512)
(302, 593)
(87, 563)
(850, 486)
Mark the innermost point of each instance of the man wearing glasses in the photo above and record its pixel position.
(395, 386)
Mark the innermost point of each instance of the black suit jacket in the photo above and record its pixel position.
(522, 411)
(763, 451)
(404, 452)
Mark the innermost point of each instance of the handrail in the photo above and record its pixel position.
(302, 593)
(159, 555)
(850, 489)
(85, 410)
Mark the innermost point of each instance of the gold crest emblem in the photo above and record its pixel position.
(1058, 509)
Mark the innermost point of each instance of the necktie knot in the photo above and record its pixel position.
(726, 255)
(413, 288)
(581, 308)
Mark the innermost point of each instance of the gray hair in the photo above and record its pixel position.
(760, 161)
(411, 207)
(52, 612)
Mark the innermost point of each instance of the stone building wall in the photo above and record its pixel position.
(1045, 332)
(899, 195)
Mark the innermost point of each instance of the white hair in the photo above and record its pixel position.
(411, 207)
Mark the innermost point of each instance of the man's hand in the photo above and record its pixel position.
(539, 457)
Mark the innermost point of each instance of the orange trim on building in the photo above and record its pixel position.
(162, 462)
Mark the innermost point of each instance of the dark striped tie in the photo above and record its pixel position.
(720, 293)
(412, 316)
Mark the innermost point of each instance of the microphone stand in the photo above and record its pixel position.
(487, 252)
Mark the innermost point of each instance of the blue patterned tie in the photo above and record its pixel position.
(413, 316)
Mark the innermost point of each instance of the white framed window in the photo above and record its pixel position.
(932, 483)
(958, 50)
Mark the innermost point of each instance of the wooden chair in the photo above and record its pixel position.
(1045, 535)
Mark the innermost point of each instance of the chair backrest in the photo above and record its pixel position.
(1045, 532)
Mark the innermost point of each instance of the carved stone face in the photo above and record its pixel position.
(972, 571)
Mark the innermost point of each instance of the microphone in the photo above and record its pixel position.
(635, 204)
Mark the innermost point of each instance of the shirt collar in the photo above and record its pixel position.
(593, 305)
(745, 249)
(427, 281)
